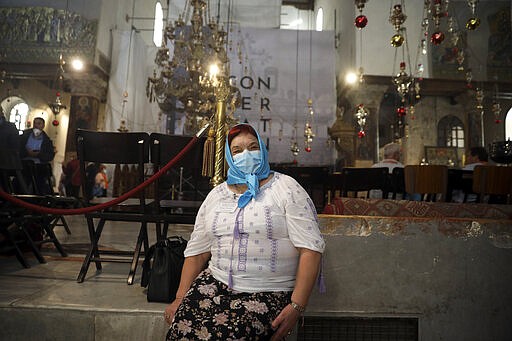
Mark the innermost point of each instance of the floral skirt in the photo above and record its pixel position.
(212, 311)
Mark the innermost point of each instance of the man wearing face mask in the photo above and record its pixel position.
(37, 146)
(254, 255)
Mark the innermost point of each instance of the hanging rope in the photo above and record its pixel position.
(84, 210)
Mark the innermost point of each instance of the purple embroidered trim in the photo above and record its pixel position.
(268, 222)
(270, 235)
(273, 255)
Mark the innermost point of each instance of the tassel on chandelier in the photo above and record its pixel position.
(209, 154)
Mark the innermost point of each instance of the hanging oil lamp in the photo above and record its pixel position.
(308, 131)
(496, 110)
(402, 81)
(361, 115)
(479, 95)
(469, 78)
(294, 148)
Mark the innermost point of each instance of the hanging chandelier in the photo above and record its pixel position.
(196, 69)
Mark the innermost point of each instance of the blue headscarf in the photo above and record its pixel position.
(235, 176)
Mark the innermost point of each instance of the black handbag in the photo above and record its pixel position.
(162, 269)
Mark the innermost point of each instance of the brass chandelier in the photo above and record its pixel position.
(197, 74)
(197, 71)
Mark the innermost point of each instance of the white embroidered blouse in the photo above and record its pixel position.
(257, 243)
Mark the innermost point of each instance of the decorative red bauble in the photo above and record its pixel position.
(361, 134)
(401, 111)
(55, 123)
(58, 94)
(437, 37)
(498, 121)
(308, 149)
(361, 21)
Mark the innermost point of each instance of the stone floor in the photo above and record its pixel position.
(103, 307)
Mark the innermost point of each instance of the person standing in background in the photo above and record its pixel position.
(36, 145)
(72, 181)
(9, 135)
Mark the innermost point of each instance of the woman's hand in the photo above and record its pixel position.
(171, 309)
(284, 323)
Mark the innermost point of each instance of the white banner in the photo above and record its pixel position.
(282, 70)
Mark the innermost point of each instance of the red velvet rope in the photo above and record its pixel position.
(89, 209)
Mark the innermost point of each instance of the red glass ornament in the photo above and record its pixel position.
(437, 37)
(308, 149)
(401, 111)
(361, 21)
(55, 123)
(58, 94)
(361, 134)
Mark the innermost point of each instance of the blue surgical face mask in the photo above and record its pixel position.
(247, 161)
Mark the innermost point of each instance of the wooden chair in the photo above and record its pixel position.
(179, 193)
(430, 181)
(45, 187)
(462, 181)
(365, 180)
(397, 182)
(333, 186)
(130, 148)
(493, 183)
(14, 217)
